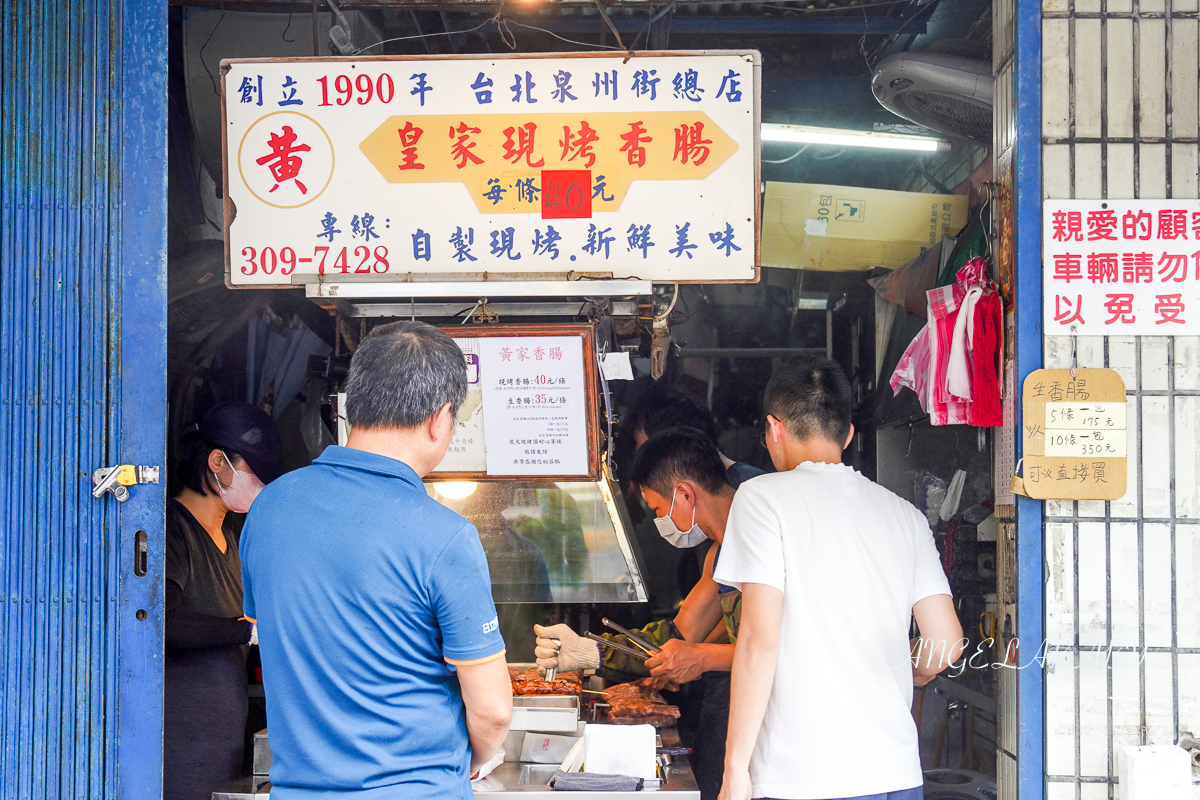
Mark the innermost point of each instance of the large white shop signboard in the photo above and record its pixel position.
(1121, 267)
(397, 169)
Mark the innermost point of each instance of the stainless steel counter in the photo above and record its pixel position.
(511, 777)
(679, 785)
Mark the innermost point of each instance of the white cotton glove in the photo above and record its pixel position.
(253, 633)
(574, 652)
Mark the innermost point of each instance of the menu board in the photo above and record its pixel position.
(533, 398)
(530, 405)
(1074, 435)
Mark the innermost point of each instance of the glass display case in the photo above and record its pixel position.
(550, 541)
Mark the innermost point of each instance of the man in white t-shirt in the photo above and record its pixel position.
(832, 568)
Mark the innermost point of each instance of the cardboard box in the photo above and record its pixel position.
(840, 228)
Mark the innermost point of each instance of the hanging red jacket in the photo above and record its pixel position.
(986, 409)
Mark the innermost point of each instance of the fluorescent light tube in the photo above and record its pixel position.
(803, 134)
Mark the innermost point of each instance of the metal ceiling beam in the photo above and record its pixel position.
(735, 26)
(748, 352)
(294, 7)
(618, 308)
(685, 25)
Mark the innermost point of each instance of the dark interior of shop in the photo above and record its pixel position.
(287, 353)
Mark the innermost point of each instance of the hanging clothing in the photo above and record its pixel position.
(986, 407)
(958, 369)
(953, 363)
(943, 408)
(913, 369)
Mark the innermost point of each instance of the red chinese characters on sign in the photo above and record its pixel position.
(691, 144)
(460, 150)
(1121, 266)
(1102, 225)
(1068, 226)
(634, 144)
(1102, 267)
(1172, 224)
(518, 144)
(1137, 266)
(1174, 267)
(579, 145)
(1067, 311)
(409, 136)
(1136, 226)
(1168, 307)
(1120, 306)
(1066, 267)
(282, 160)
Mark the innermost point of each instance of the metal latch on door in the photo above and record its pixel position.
(115, 479)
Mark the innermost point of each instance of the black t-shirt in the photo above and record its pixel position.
(211, 580)
(205, 687)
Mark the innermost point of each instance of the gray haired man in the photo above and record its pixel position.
(382, 659)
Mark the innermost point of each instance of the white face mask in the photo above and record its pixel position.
(670, 531)
(241, 491)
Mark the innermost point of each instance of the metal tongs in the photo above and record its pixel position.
(552, 672)
(616, 646)
(650, 648)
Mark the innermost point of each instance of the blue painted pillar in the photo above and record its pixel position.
(1027, 94)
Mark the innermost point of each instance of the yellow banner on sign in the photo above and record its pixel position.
(501, 158)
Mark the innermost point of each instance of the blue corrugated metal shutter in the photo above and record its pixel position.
(82, 385)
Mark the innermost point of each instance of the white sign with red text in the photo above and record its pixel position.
(1121, 267)
(435, 168)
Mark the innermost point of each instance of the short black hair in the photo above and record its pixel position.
(192, 470)
(665, 406)
(811, 397)
(401, 374)
(679, 454)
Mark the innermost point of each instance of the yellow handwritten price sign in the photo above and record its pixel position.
(539, 166)
(1075, 442)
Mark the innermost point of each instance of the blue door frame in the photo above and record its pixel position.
(83, 85)
(1027, 93)
(142, 390)
(82, 384)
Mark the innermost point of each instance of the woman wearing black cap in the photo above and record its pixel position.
(226, 459)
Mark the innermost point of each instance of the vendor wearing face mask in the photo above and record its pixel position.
(226, 459)
(680, 475)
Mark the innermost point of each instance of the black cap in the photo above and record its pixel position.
(248, 431)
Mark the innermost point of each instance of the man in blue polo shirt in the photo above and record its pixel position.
(382, 659)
